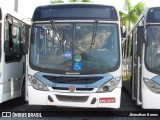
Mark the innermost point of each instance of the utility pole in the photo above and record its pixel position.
(16, 5)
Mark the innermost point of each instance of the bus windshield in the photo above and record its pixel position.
(153, 47)
(77, 47)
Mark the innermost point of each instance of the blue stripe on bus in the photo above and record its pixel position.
(98, 84)
(156, 79)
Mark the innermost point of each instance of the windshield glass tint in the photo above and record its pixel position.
(153, 48)
(51, 46)
(74, 46)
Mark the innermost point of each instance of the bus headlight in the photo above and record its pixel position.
(38, 85)
(109, 86)
(153, 86)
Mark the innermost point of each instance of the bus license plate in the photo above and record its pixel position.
(107, 100)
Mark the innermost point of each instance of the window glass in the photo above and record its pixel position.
(12, 41)
(71, 47)
(153, 48)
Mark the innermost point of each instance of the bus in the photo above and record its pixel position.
(141, 60)
(74, 56)
(12, 50)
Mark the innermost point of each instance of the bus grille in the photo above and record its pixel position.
(77, 89)
(72, 80)
(72, 98)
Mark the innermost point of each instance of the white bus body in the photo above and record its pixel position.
(67, 80)
(141, 60)
(11, 57)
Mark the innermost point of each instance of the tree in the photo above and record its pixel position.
(74, 0)
(131, 13)
(86, 0)
(56, 1)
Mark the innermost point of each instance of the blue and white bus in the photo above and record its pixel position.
(141, 59)
(74, 56)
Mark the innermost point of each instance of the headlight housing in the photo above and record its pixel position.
(109, 86)
(153, 86)
(36, 84)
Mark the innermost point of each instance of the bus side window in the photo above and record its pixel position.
(24, 38)
(12, 41)
(7, 31)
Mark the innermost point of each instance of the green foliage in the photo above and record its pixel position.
(131, 13)
(85, 0)
(74, 0)
(56, 1)
(80, 0)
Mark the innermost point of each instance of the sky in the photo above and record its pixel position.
(26, 7)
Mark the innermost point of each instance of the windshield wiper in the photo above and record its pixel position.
(58, 34)
(54, 28)
(93, 35)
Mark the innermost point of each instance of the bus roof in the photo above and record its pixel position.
(153, 15)
(75, 12)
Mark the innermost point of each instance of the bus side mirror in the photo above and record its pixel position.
(140, 39)
(123, 32)
(24, 38)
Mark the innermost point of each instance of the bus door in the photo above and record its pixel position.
(13, 59)
(25, 30)
(136, 64)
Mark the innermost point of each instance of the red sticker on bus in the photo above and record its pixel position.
(107, 100)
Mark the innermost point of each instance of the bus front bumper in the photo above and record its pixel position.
(71, 99)
(150, 100)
